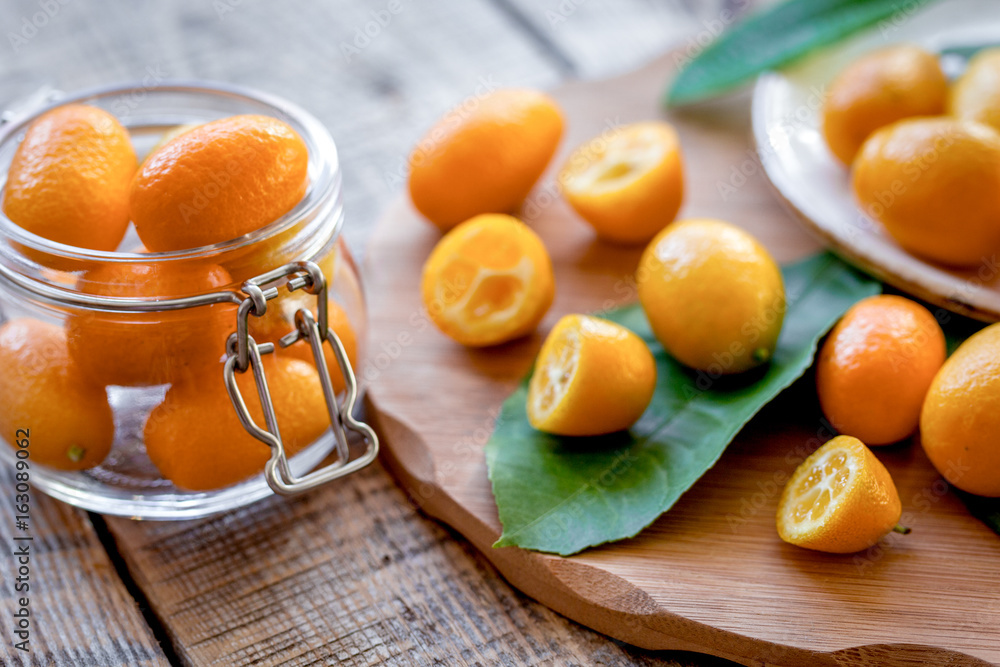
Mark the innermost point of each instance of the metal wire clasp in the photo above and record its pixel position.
(244, 353)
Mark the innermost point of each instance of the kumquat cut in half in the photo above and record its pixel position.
(488, 281)
(629, 185)
(839, 500)
(592, 377)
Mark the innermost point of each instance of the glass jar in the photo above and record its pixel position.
(117, 348)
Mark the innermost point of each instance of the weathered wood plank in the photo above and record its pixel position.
(601, 39)
(79, 612)
(376, 79)
(352, 574)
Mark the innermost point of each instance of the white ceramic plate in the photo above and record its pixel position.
(786, 128)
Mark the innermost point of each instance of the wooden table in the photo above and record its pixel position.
(351, 573)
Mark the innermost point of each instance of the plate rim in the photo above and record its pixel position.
(932, 284)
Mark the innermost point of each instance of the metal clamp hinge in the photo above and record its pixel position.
(244, 353)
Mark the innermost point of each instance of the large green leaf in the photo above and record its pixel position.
(562, 495)
(774, 37)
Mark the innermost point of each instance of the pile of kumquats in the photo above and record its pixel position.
(76, 180)
(926, 165)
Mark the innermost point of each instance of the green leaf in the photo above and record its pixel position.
(968, 50)
(775, 37)
(986, 510)
(957, 329)
(562, 495)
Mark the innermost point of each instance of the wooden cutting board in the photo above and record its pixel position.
(711, 575)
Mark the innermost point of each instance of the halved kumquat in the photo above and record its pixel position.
(592, 377)
(629, 185)
(840, 500)
(488, 281)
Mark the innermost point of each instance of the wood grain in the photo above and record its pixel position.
(594, 34)
(376, 102)
(351, 575)
(711, 575)
(80, 612)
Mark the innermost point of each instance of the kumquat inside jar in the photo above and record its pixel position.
(179, 317)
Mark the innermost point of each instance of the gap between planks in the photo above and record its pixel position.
(154, 622)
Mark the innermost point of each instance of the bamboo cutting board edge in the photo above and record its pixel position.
(621, 610)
